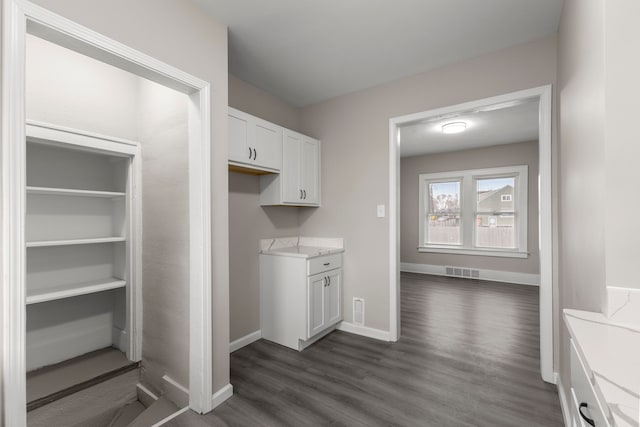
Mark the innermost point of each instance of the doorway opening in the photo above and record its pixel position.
(468, 240)
(105, 209)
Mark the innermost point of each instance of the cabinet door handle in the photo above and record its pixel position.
(324, 281)
(301, 194)
(249, 153)
(255, 154)
(305, 194)
(584, 417)
(329, 281)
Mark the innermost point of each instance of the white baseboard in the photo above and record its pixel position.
(145, 396)
(493, 275)
(364, 331)
(175, 391)
(221, 395)
(245, 340)
(564, 403)
(170, 417)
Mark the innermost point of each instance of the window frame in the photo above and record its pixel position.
(468, 205)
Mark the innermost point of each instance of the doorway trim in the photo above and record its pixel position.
(545, 208)
(20, 17)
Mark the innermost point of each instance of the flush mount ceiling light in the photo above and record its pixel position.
(454, 127)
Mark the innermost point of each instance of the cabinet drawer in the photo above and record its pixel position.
(324, 263)
(583, 392)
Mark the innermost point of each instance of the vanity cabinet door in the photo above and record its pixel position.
(333, 297)
(316, 290)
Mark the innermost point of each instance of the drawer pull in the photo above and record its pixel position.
(326, 264)
(584, 417)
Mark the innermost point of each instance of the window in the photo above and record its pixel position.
(480, 212)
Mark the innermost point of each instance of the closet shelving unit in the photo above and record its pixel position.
(82, 244)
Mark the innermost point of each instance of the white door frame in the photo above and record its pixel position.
(20, 17)
(543, 93)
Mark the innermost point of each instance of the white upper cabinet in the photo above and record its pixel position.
(254, 143)
(298, 183)
(310, 170)
(288, 161)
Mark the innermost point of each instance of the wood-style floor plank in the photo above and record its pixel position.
(468, 357)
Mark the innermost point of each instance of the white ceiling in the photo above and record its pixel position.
(508, 125)
(307, 51)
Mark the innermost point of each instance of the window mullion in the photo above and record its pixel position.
(468, 208)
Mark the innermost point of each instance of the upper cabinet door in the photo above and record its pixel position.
(310, 170)
(253, 142)
(239, 137)
(291, 151)
(267, 144)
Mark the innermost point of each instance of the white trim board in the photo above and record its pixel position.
(175, 391)
(245, 341)
(564, 403)
(492, 275)
(170, 417)
(221, 395)
(546, 209)
(364, 331)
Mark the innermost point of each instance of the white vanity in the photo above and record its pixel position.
(300, 289)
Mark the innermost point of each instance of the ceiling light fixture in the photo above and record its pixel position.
(454, 127)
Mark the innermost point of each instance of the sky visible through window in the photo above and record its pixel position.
(494, 183)
(445, 188)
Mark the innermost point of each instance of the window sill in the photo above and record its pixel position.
(475, 251)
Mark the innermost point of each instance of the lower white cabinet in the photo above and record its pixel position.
(301, 298)
(586, 407)
(324, 301)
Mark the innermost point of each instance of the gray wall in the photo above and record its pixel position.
(354, 130)
(164, 137)
(622, 137)
(525, 153)
(597, 80)
(582, 168)
(248, 221)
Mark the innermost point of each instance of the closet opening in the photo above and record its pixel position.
(106, 229)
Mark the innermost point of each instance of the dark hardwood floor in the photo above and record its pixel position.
(468, 356)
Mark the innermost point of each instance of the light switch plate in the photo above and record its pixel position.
(381, 211)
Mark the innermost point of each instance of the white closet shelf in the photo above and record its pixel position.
(44, 243)
(73, 192)
(73, 290)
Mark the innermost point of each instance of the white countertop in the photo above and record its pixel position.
(612, 353)
(302, 251)
(301, 247)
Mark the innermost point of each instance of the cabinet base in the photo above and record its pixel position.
(302, 344)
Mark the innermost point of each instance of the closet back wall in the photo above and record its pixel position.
(248, 221)
(69, 89)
